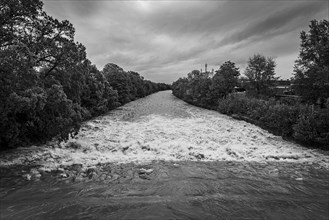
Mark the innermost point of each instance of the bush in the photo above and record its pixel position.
(297, 121)
(281, 118)
(313, 126)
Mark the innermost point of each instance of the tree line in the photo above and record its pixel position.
(304, 117)
(201, 89)
(47, 84)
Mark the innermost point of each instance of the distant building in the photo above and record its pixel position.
(282, 87)
(206, 72)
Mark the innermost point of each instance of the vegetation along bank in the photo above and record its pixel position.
(48, 86)
(302, 114)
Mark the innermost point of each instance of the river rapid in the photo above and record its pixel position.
(161, 158)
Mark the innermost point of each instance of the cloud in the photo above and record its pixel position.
(277, 23)
(164, 40)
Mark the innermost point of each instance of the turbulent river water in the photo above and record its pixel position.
(161, 158)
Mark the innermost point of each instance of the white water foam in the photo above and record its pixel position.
(204, 135)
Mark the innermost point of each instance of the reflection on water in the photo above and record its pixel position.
(289, 187)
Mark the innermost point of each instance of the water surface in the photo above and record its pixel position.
(160, 158)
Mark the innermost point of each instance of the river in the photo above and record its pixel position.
(161, 158)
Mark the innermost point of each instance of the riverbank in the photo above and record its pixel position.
(159, 157)
(162, 127)
(303, 124)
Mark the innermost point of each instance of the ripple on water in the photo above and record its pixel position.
(186, 189)
(200, 164)
(162, 127)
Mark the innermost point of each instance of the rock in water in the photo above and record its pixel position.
(27, 177)
(145, 171)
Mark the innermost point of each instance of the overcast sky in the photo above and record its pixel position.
(164, 40)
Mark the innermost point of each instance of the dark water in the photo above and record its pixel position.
(170, 190)
(182, 190)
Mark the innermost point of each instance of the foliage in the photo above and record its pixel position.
(224, 81)
(130, 85)
(260, 72)
(286, 117)
(280, 119)
(37, 52)
(312, 66)
(313, 126)
(231, 105)
(198, 88)
(300, 122)
(47, 85)
(179, 88)
(97, 95)
(119, 80)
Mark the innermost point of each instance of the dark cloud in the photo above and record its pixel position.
(276, 23)
(164, 40)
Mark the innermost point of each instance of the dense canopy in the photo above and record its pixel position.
(47, 85)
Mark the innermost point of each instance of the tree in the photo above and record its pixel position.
(260, 72)
(194, 74)
(198, 87)
(224, 81)
(37, 56)
(47, 85)
(311, 72)
(97, 96)
(179, 87)
(119, 80)
(14, 14)
(138, 91)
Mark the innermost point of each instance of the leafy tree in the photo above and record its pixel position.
(119, 80)
(200, 90)
(137, 81)
(179, 87)
(16, 14)
(312, 66)
(260, 72)
(37, 53)
(97, 96)
(60, 116)
(148, 87)
(194, 74)
(224, 81)
(203, 90)
(47, 85)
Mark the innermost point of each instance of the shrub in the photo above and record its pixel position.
(281, 118)
(313, 126)
(233, 105)
(298, 121)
